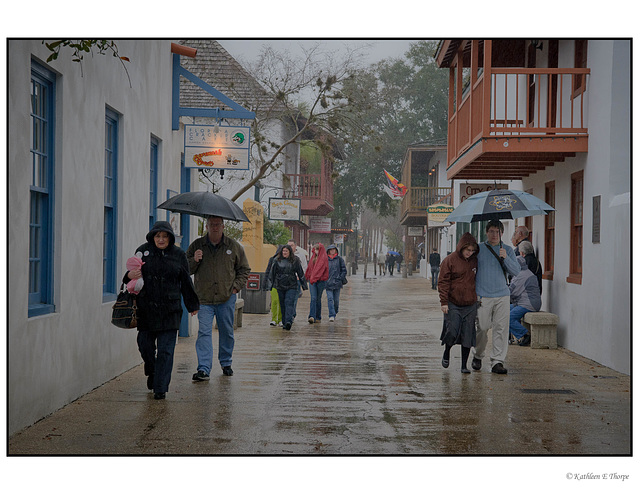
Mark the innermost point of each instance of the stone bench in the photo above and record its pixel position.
(237, 319)
(543, 328)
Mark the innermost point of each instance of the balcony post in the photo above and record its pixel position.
(486, 117)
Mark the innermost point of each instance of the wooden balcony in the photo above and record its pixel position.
(510, 122)
(415, 202)
(315, 192)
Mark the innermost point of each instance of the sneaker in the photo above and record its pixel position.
(499, 369)
(200, 376)
(287, 326)
(476, 364)
(273, 323)
(465, 371)
(331, 318)
(227, 371)
(445, 363)
(311, 320)
(159, 395)
(280, 324)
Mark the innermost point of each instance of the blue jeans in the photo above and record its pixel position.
(295, 302)
(224, 314)
(287, 302)
(315, 307)
(160, 363)
(333, 301)
(434, 277)
(515, 327)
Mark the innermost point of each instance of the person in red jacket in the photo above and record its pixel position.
(458, 300)
(317, 274)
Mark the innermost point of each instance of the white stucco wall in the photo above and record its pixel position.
(56, 358)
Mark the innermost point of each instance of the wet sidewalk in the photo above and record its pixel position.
(369, 383)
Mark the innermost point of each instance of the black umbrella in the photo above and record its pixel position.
(204, 204)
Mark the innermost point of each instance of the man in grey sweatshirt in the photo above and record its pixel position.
(493, 296)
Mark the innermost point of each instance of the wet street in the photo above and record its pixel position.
(369, 383)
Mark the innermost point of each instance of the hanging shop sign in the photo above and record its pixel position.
(467, 189)
(438, 212)
(213, 146)
(414, 231)
(284, 209)
(321, 225)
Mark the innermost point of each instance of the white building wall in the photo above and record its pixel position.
(595, 316)
(56, 358)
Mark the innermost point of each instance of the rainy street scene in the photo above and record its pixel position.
(372, 257)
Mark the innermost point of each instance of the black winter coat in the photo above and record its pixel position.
(166, 276)
(284, 274)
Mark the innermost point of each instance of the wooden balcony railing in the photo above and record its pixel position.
(310, 186)
(418, 199)
(519, 102)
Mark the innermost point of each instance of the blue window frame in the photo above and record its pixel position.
(41, 191)
(153, 186)
(109, 260)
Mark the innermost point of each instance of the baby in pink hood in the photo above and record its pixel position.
(135, 263)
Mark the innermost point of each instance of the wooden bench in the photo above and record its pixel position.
(543, 328)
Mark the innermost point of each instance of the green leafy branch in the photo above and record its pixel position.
(80, 47)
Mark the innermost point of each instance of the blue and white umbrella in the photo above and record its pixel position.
(498, 204)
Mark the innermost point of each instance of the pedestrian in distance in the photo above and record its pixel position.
(276, 311)
(337, 278)
(166, 276)
(496, 261)
(381, 265)
(302, 255)
(284, 275)
(525, 297)
(458, 300)
(317, 274)
(399, 258)
(390, 261)
(434, 262)
(220, 268)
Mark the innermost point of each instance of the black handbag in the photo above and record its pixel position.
(124, 314)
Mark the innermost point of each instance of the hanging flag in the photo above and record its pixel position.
(397, 189)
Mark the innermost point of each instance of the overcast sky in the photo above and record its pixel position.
(248, 50)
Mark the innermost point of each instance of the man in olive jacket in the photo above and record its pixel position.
(220, 268)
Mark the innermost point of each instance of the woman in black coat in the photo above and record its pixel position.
(285, 272)
(165, 273)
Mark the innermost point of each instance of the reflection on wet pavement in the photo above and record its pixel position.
(370, 383)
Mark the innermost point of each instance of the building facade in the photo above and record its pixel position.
(555, 114)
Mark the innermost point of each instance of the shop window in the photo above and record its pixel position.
(549, 230)
(575, 260)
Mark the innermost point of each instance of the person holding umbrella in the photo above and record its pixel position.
(495, 262)
(221, 269)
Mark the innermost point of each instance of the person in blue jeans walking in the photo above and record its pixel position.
(337, 278)
(317, 274)
(284, 275)
(220, 268)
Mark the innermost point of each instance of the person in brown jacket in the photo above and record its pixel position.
(458, 300)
